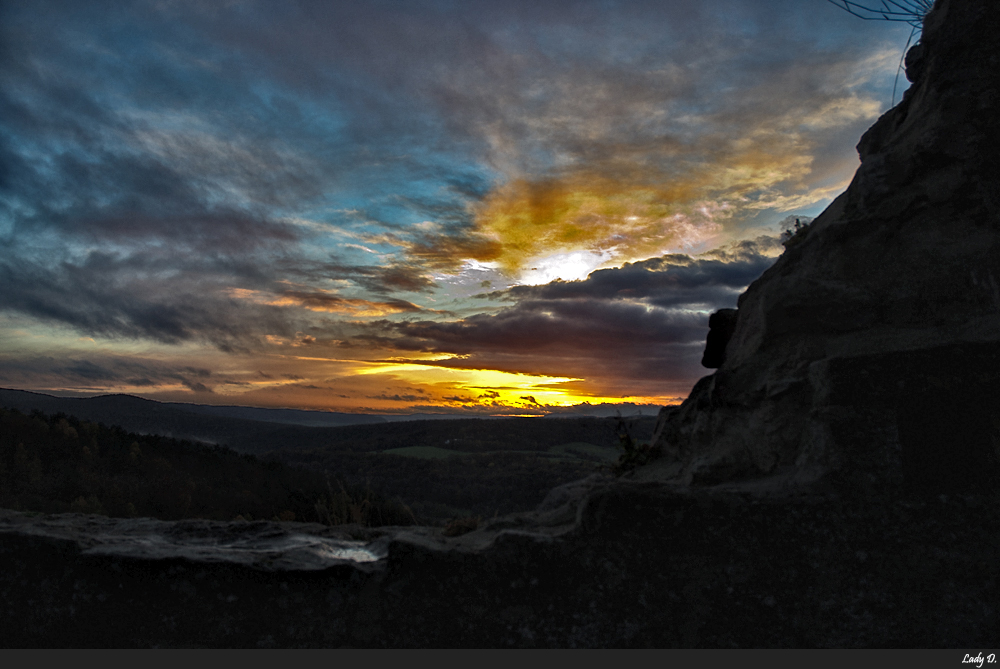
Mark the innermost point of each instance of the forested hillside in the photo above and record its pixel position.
(58, 463)
(440, 469)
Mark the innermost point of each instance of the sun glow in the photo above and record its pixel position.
(459, 387)
(564, 267)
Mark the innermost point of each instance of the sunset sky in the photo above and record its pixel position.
(415, 206)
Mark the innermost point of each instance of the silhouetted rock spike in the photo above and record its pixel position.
(721, 326)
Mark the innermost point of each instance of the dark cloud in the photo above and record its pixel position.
(645, 320)
(102, 174)
(675, 280)
(393, 277)
(446, 252)
(196, 386)
(409, 278)
(396, 398)
(109, 297)
(566, 326)
(122, 219)
(100, 371)
(320, 301)
(85, 369)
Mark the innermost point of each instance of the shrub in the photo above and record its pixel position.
(634, 454)
(796, 230)
(361, 508)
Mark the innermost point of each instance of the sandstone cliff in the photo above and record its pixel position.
(869, 354)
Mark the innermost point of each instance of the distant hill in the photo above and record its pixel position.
(288, 416)
(182, 421)
(55, 464)
(282, 430)
(505, 464)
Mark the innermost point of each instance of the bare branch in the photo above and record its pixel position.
(902, 11)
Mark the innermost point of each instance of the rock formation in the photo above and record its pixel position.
(721, 326)
(864, 363)
(869, 354)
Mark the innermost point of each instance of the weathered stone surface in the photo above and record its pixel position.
(639, 566)
(901, 274)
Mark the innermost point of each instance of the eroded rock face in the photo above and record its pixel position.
(870, 352)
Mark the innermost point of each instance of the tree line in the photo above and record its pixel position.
(59, 464)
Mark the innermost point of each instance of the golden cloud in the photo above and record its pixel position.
(622, 165)
(326, 302)
(632, 214)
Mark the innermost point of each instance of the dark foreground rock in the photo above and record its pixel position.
(639, 566)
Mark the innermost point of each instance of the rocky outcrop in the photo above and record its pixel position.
(864, 364)
(721, 326)
(869, 354)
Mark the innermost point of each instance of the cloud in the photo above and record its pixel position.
(100, 372)
(118, 297)
(672, 280)
(397, 397)
(339, 178)
(641, 322)
(326, 302)
(590, 141)
(97, 173)
(659, 146)
(560, 325)
(196, 386)
(394, 277)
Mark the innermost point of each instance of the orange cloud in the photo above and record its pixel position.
(659, 204)
(326, 302)
(593, 212)
(623, 169)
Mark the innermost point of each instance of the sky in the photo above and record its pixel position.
(469, 207)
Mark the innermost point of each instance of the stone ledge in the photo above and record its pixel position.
(646, 565)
